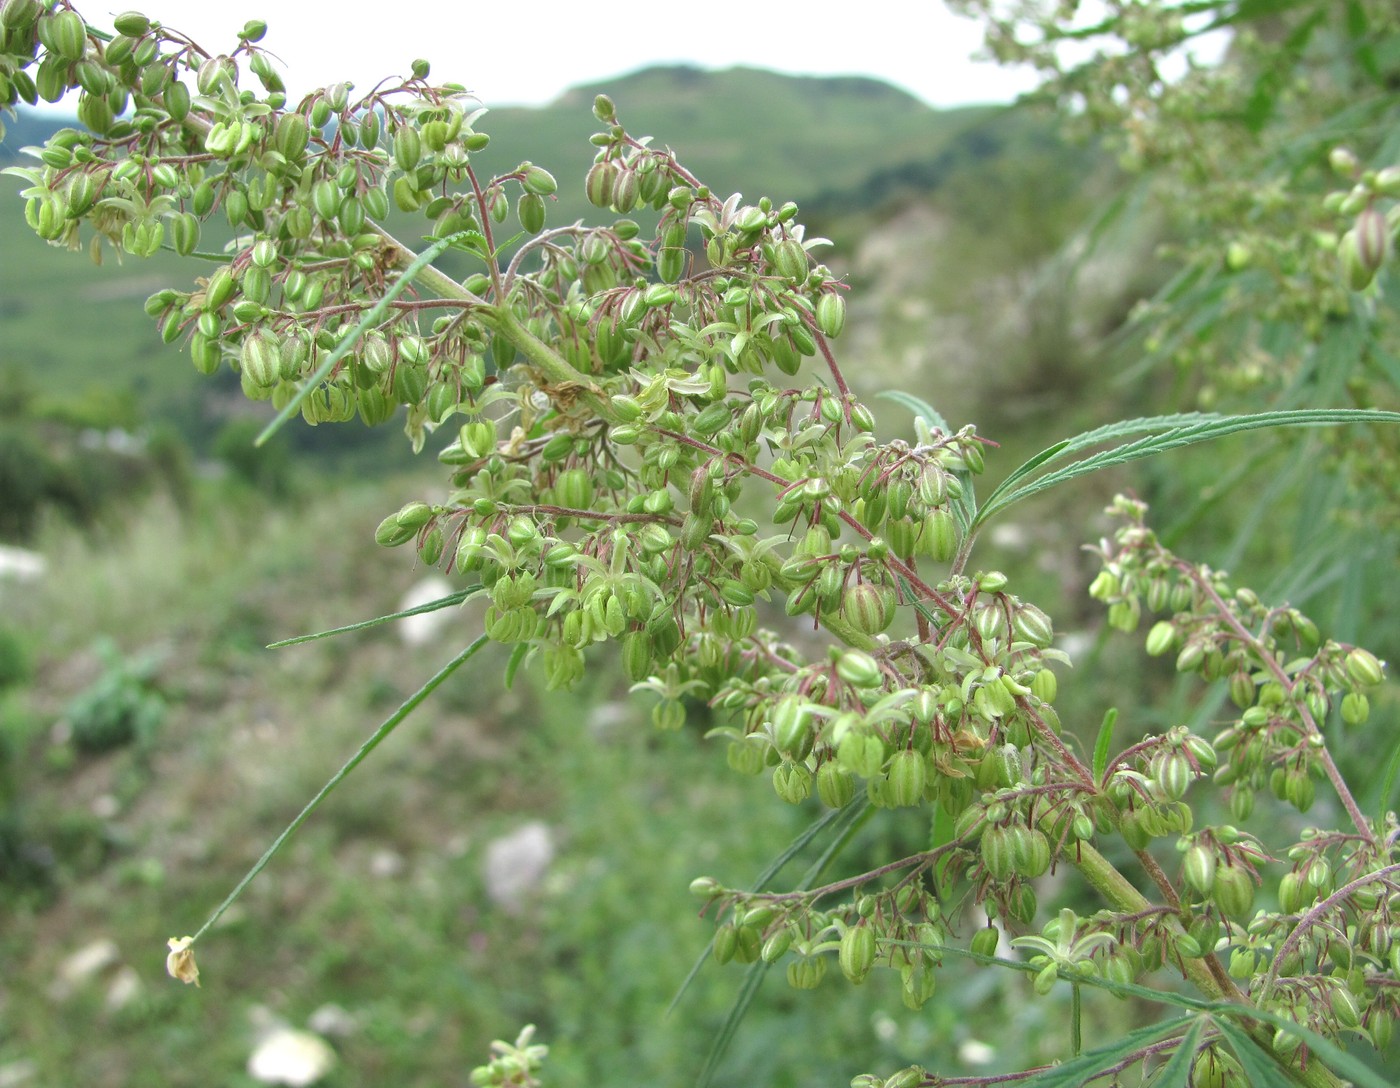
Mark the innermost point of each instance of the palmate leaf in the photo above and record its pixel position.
(1160, 434)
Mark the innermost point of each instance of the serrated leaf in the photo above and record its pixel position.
(1079, 1071)
(1177, 1072)
(1260, 1069)
(1323, 1049)
(1163, 433)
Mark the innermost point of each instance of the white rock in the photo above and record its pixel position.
(516, 863)
(13, 1074)
(332, 1019)
(92, 959)
(291, 1057)
(422, 629)
(385, 863)
(975, 1052)
(20, 564)
(124, 988)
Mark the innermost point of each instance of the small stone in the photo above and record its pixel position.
(333, 1020)
(422, 629)
(291, 1057)
(124, 988)
(90, 960)
(516, 863)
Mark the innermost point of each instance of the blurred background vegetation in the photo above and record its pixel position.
(150, 747)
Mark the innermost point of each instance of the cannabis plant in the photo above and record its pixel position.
(649, 439)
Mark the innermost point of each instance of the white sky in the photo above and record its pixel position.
(915, 44)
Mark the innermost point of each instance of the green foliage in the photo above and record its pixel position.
(651, 442)
(14, 659)
(122, 706)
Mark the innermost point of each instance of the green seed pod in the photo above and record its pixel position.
(726, 943)
(906, 778)
(1355, 708)
(835, 785)
(792, 782)
(260, 359)
(1199, 867)
(776, 946)
(1045, 686)
(598, 186)
(806, 973)
(1032, 625)
(670, 264)
(856, 955)
(1172, 774)
(64, 33)
(1030, 852)
(985, 941)
(538, 180)
(858, 668)
(531, 212)
(831, 314)
(326, 198)
(391, 533)
(997, 849)
(1233, 890)
(1364, 669)
(867, 607)
(626, 188)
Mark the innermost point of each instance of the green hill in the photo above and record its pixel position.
(842, 147)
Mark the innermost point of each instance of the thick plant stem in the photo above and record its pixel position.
(1122, 896)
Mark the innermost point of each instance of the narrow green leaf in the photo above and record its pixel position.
(1387, 786)
(920, 407)
(1104, 742)
(1177, 1072)
(836, 818)
(372, 317)
(1323, 1049)
(747, 992)
(388, 726)
(1260, 1068)
(1079, 1071)
(1164, 433)
(517, 656)
(431, 606)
